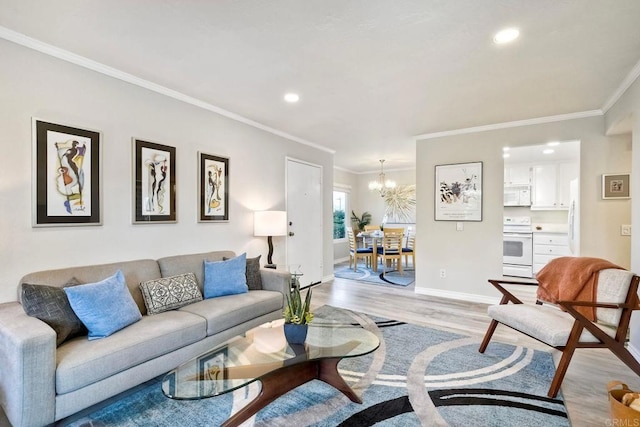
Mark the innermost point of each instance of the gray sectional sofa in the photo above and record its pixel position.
(41, 383)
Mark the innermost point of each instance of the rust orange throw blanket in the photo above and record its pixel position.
(572, 278)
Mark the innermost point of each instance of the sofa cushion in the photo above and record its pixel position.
(51, 305)
(105, 306)
(169, 293)
(225, 277)
(179, 264)
(254, 278)
(82, 362)
(228, 311)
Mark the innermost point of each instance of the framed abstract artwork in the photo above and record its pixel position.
(66, 175)
(213, 188)
(458, 192)
(155, 182)
(616, 186)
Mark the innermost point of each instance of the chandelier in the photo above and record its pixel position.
(381, 184)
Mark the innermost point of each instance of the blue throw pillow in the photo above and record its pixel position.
(104, 307)
(225, 277)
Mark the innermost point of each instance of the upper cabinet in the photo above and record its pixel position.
(517, 174)
(550, 185)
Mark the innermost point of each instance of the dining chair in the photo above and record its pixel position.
(355, 252)
(369, 241)
(565, 327)
(390, 249)
(410, 251)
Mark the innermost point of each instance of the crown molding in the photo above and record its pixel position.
(626, 84)
(513, 124)
(90, 64)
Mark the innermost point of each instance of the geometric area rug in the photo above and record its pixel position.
(418, 376)
(363, 274)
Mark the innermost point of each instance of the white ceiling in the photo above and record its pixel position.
(371, 74)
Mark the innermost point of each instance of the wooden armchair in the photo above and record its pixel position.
(565, 329)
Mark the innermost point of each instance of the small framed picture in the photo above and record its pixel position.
(211, 372)
(458, 192)
(154, 183)
(66, 175)
(213, 188)
(616, 186)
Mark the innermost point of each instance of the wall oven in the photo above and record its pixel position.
(517, 247)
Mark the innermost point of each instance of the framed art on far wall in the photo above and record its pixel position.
(213, 188)
(616, 186)
(66, 175)
(155, 182)
(458, 192)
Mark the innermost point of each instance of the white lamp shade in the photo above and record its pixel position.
(270, 223)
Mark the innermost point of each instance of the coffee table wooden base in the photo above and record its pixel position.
(281, 381)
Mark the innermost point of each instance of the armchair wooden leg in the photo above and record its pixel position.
(567, 354)
(488, 335)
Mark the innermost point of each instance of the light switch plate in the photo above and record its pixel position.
(459, 226)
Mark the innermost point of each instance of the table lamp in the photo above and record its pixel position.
(270, 223)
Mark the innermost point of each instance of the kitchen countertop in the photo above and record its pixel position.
(550, 228)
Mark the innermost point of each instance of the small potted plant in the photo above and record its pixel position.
(297, 316)
(365, 219)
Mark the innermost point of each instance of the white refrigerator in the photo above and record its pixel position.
(574, 217)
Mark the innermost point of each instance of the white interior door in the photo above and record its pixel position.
(304, 214)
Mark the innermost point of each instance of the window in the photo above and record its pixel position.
(340, 199)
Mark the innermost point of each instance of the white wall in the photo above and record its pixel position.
(346, 181)
(628, 106)
(35, 85)
(472, 256)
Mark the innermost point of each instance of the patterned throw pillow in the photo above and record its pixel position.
(51, 305)
(169, 293)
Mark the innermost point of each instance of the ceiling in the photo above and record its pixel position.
(371, 74)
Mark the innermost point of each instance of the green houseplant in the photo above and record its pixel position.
(365, 219)
(297, 316)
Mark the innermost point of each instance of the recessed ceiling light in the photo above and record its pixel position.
(505, 155)
(505, 36)
(547, 151)
(505, 148)
(291, 97)
(553, 143)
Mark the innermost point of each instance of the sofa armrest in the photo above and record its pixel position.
(28, 361)
(276, 280)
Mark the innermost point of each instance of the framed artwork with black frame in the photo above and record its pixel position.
(458, 192)
(211, 370)
(154, 183)
(66, 175)
(616, 186)
(213, 188)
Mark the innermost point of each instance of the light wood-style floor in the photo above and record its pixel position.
(584, 387)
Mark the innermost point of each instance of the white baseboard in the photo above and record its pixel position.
(458, 295)
(339, 260)
(328, 278)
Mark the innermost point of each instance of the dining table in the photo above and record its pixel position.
(376, 240)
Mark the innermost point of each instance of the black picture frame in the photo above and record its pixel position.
(458, 192)
(66, 175)
(213, 188)
(154, 182)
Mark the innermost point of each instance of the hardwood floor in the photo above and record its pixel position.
(584, 387)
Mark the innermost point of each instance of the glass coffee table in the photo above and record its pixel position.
(264, 355)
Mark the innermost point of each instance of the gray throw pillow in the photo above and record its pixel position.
(169, 293)
(51, 305)
(254, 280)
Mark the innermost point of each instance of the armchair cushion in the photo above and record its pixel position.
(543, 322)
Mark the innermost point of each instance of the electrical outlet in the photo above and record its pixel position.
(443, 273)
(625, 230)
(459, 226)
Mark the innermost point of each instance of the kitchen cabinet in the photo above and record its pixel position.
(517, 174)
(548, 246)
(550, 185)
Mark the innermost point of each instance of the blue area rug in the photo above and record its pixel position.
(363, 274)
(419, 376)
